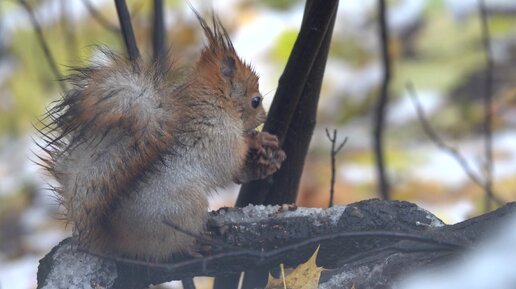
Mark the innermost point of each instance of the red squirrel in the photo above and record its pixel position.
(132, 147)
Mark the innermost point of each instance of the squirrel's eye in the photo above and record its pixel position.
(255, 101)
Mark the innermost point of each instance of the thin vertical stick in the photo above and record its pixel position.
(379, 114)
(127, 30)
(333, 155)
(159, 35)
(488, 108)
(188, 283)
(282, 267)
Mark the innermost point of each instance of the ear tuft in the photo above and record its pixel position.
(228, 67)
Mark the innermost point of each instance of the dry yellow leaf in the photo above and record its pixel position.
(305, 276)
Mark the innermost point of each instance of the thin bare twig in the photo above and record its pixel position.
(159, 35)
(453, 152)
(95, 14)
(127, 30)
(488, 108)
(379, 113)
(333, 154)
(43, 43)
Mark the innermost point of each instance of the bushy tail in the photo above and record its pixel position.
(114, 125)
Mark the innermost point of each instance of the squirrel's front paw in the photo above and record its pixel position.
(263, 158)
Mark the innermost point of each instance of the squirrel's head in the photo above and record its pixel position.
(222, 70)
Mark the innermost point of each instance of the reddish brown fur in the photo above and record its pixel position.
(130, 147)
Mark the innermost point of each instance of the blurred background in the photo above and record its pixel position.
(436, 45)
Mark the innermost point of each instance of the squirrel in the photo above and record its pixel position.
(131, 147)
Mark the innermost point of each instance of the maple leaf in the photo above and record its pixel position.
(304, 276)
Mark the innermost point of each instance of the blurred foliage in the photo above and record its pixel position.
(445, 50)
(282, 47)
(280, 4)
(352, 51)
(500, 25)
(31, 85)
(32, 82)
(397, 158)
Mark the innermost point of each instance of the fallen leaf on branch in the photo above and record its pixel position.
(305, 276)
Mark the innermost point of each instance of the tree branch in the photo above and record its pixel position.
(453, 152)
(289, 235)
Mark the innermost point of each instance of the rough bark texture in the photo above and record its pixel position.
(380, 259)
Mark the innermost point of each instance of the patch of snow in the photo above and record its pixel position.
(490, 265)
(257, 213)
(19, 274)
(434, 221)
(450, 212)
(71, 274)
(439, 166)
(344, 277)
(505, 141)
(44, 240)
(357, 173)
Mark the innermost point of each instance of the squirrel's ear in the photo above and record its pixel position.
(228, 67)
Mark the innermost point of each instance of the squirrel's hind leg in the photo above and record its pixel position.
(137, 228)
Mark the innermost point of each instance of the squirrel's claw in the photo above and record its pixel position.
(264, 157)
